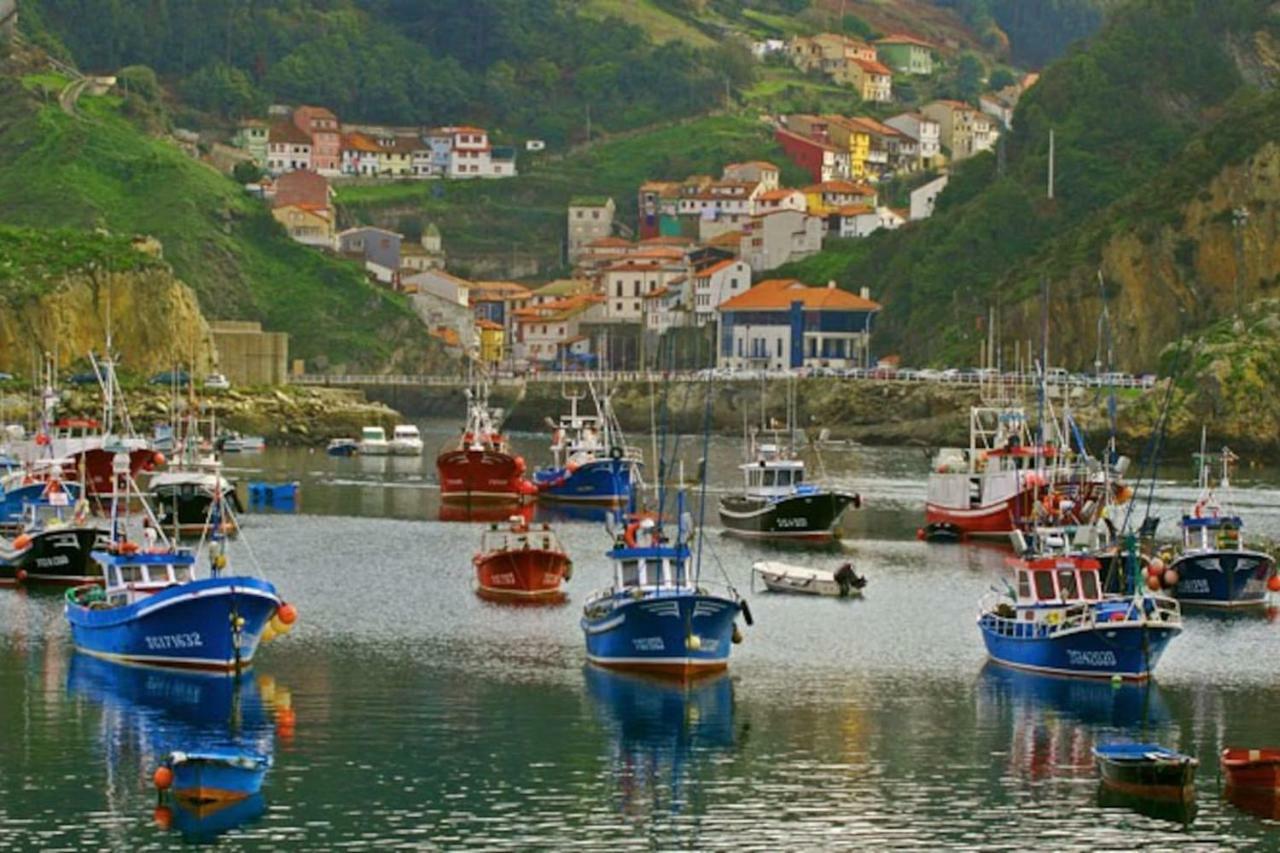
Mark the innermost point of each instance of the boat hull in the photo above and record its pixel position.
(1129, 651)
(655, 634)
(186, 509)
(186, 626)
(480, 476)
(58, 557)
(534, 574)
(97, 468)
(606, 481)
(1223, 578)
(1252, 769)
(1171, 780)
(995, 520)
(797, 518)
(211, 780)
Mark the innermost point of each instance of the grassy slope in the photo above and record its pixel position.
(528, 212)
(99, 171)
(661, 25)
(32, 260)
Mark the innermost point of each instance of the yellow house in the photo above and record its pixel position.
(857, 139)
(306, 223)
(493, 344)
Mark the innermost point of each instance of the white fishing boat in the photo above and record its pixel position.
(373, 441)
(844, 582)
(406, 441)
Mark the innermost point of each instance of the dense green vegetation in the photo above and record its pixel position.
(516, 66)
(1035, 31)
(32, 259)
(99, 171)
(995, 233)
(527, 213)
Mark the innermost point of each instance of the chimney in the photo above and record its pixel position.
(865, 293)
(831, 285)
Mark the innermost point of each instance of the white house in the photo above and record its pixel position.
(772, 239)
(714, 284)
(759, 172)
(627, 282)
(440, 284)
(925, 196)
(924, 130)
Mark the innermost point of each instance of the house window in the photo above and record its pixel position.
(779, 347)
(619, 291)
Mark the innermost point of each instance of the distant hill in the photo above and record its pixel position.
(96, 169)
(1150, 116)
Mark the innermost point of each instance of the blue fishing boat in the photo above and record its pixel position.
(591, 462)
(203, 822)
(1059, 621)
(658, 616)
(1146, 769)
(1213, 567)
(154, 610)
(29, 486)
(213, 775)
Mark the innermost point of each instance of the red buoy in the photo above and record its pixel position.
(158, 458)
(21, 575)
(1153, 583)
(1170, 578)
(1274, 583)
(163, 777)
(163, 817)
(288, 614)
(21, 542)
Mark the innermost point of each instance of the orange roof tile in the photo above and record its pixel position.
(716, 267)
(777, 195)
(855, 210)
(903, 38)
(847, 187)
(872, 67)
(488, 324)
(359, 142)
(667, 240)
(779, 293)
(610, 242)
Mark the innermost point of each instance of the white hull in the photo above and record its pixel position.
(406, 447)
(375, 448)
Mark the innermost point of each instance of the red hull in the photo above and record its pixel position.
(1252, 768)
(97, 468)
(999, 519)
(480, 476)
(687, 671)
(523, 574)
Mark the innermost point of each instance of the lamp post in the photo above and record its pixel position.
(1239, 219)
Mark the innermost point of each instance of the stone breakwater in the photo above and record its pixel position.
(283, 416)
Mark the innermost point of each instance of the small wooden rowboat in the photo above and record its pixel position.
(844, 582)
(1252, 768)
(1146, 769)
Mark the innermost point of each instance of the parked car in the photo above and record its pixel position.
(171, 377)
(86, 378)
(217, 382)
(6, 377)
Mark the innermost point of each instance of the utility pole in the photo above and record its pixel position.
(1050, 164)
(1239, 220)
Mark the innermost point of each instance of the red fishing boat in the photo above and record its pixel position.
(1255, 769)
(520, 563)
(480, 467)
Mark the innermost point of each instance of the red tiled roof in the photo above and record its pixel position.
(872, 67)
(359, 142)
(287, 131)
(855, 210)
(716, 267)
(610, 242)
(300, 188)
(848, 187)
(779, 293)
(488, 324)
(759, 164)
(903, 38)
(777, 195)
(668, 240)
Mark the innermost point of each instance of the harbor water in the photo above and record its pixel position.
(405, 712)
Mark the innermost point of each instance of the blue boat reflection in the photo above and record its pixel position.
(661, 732)
(150, 713)
(552, 513)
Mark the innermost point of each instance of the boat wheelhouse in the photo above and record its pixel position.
(405, 441)
(658, 616)
(1213, 567)
(373, 441)
(1057, 619)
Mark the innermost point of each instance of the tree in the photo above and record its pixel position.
(247, 172)
(968, 77)
(1000, 78)
(139, 80)
(221, 89)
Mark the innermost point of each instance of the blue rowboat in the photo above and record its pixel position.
(153, 612)
(204, 822)
(1146, 769)
(1058, 621)
(216, 775)
(657, 617)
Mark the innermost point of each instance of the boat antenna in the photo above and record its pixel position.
(702, 487)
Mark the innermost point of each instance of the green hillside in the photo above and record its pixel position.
(1162, 81)
(96, 170)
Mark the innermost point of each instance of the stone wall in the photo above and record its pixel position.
(250, 356)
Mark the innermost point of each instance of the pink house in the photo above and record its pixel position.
(326, 138)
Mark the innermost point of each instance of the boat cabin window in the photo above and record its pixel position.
(1024, 586)
(1044, 586)
(797, 477)
(784, 478)
(1068, 584)
(630, 571)
(131, 573)
(1089, 584)
(769, 478)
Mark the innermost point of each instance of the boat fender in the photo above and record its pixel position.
(737, 634)
(1053, 617)
(568, 570)
(629, 536)
(615, 453)
(21, 575)
(746, 612)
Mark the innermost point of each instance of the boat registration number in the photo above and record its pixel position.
(793, 522)
(1195, 585)
(175, 641)
(1079, 658)
(649, 644)
(52, 562)
(506, 579)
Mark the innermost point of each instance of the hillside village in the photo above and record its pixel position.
(699, 244)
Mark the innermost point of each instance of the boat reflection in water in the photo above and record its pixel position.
(149, 713)
(1055, 719)
(1259, 802)
(554, 513)
(1178, 810)
(486, 513)
(661, 733)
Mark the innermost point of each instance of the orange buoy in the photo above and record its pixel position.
(158, 458)
(286, 717)
(163, 817)
(21, 575)
(288, 613)
(163, 777)
(22, 542)
(1153, 583)
(1274, 583)
(1170, 578)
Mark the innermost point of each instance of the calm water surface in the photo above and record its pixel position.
(405, 712)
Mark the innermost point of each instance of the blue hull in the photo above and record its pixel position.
(1102, 652)
(14, 501)
(204, 822)
(1223, 578)
(1092, 702)
(186, 626)
(601, 481)
(652, 634)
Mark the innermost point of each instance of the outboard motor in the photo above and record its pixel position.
(848, 580)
